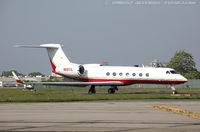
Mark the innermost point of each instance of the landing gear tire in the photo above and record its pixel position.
(91, 92)
(111, 91)
(174, 92)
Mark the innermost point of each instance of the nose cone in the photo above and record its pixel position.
(183, 79)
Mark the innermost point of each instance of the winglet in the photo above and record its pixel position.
(16, 77)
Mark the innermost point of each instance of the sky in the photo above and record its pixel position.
(121, 32)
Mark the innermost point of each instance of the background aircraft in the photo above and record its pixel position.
(99, 75)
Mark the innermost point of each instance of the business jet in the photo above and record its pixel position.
(99, 75)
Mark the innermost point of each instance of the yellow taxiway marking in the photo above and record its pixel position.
(180, 95)
(177, 111)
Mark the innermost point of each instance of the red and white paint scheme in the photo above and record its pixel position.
(99, 75)
(26, 86)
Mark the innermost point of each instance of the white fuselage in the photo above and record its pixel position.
(126, 75)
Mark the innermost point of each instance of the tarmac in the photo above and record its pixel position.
(100, 116)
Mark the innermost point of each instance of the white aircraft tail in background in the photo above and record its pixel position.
(98, 75)
(26, 86)
(16, 77)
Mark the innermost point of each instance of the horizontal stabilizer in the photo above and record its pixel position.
(39, 46)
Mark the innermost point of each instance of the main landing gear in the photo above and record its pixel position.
(92, 90)
(173, 90)
(112, 90)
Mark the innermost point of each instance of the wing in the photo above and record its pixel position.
(80, 84)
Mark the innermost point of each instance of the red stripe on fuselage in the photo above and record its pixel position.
(129, 82)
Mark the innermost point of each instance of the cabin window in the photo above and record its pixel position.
(173, 72)
(108, 73)
(140, 74)
(114, 73)
(120, 74)
(134, 74)
(147, 74)
(127, 74)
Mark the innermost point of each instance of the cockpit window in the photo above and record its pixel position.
(173, 72)
(167, 72)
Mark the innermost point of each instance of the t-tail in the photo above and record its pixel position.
(56, 55)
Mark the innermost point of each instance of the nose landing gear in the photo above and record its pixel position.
(173, 90)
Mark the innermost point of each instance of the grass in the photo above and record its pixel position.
(80, 94)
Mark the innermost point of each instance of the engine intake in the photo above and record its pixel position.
(81, 69)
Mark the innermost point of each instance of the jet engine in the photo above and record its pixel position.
(81, 69)
(72, 70)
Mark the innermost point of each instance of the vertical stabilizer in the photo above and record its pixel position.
(56, 55)
(16, 77)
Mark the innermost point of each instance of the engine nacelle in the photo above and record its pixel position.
(81, 69)
(73, 70)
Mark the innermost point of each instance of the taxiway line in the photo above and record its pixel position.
(177, 111)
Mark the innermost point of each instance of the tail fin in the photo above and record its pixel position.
(16, 77)
(56, 55)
